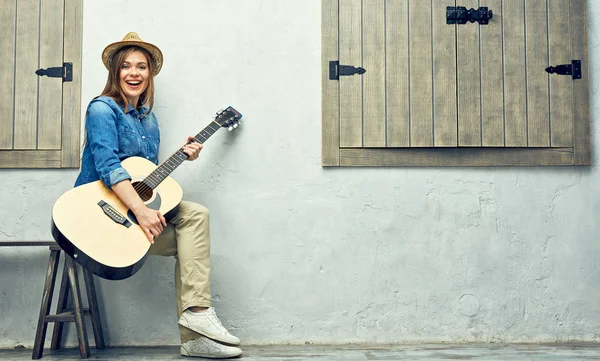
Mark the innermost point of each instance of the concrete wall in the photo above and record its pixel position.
(301, 253)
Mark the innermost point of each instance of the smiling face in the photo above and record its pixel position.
(133, 76)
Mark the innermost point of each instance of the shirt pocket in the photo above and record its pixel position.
(130, 143)
(153, 136)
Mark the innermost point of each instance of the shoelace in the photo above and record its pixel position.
(213, 316)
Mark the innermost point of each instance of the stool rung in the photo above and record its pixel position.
(67, 316)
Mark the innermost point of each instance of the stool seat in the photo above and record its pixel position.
(69, 281)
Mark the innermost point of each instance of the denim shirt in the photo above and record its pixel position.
(113, 135)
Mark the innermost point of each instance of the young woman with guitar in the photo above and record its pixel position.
(120, 124)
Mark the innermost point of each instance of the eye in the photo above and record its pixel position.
(124, 66)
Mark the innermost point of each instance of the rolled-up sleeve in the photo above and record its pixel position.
(102, 136)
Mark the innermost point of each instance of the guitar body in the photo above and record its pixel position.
(93, 239)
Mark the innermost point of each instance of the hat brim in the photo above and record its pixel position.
(153, 50)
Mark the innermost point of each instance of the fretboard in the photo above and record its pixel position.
(169, 165)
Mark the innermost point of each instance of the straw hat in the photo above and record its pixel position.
(133, 38)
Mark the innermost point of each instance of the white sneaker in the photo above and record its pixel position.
(205, 347)
(207, 323)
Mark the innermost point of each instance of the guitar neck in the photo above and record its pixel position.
(169, 165)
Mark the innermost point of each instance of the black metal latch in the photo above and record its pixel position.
(460, 15)
(573, 69)
(336, 70)
(65, 72)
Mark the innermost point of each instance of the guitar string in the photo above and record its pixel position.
(142, 186)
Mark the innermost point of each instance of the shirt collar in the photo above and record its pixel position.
(142, 110)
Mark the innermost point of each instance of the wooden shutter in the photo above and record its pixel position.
(39, 115)
(409, 82)
(469, 94)
(505, 96)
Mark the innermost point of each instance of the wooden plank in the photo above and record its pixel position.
(50, 89)
(515, 93)
(350, 43)
(330, 101)
(27, 243)
(445, 132)
(63, 317)
(30, 158)
(561, 87)
(93, 308)
(469, 81)
(71, 117)
(94, 312)
(67, 316)
(374, 78)
(456, 157)
(581, 95)
(84, 348)
(42, 326)
(397, 91)
(26, 83)
(61, 306)
(397, 87)
(420, 73)
(538, 114)
(492, 86)
(7, 72)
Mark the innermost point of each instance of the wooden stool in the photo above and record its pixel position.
(69, 282)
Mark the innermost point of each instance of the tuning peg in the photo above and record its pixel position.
(235, 125)
(230, 128)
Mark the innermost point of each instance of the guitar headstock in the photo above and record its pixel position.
(228, 118)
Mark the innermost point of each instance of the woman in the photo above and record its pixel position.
(120, 124)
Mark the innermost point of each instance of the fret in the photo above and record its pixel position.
(175, 160)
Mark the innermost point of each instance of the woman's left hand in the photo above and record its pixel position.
(192, 149)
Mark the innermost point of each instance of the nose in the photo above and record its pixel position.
(134, 71)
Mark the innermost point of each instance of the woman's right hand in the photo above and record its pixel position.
(151, 221)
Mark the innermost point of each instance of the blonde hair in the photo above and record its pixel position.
(113, 85)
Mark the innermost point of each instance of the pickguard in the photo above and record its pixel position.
(154, 204)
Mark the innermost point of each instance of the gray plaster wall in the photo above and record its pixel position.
(306, 254)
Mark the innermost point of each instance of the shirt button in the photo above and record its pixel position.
(147, 157)
(143, 137)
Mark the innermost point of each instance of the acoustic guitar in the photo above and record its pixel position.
(93, 226)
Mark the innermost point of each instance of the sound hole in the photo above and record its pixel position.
(143, 190)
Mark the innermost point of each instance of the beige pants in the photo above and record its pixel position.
(187, 238)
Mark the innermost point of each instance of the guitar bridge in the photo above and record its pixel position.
(113, 214)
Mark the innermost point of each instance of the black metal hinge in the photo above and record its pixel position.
(65, 72)
(573, 69)
(336, 70)
(460, 15)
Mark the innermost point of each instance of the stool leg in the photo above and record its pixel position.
(93, 306)
(40, 334)
(60, 308)
(84, 348)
